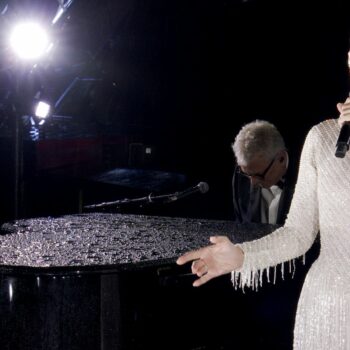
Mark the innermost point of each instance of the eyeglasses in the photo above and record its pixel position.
(260, 176)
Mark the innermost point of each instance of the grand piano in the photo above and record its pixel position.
(109, 281)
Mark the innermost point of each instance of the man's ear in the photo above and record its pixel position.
(283, 156)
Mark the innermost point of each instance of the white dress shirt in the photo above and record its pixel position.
(269, 204)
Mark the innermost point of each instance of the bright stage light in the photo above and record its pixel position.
(29, 41)
(42, 110)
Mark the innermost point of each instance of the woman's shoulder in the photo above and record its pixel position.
(325, 129)
(324, 134)
(328, 123)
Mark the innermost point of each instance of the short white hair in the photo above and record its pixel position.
(259, 138)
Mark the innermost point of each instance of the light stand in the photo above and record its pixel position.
(29, 42)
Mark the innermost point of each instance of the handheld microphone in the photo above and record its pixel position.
(343, 141)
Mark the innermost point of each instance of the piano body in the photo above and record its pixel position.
(109, 281)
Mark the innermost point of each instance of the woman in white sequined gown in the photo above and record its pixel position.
(321, 203)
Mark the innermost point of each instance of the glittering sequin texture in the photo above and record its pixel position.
(321, 203)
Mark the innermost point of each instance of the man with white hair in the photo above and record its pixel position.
(263, 186)
(262, 183)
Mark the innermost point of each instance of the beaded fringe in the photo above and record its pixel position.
(254, 278)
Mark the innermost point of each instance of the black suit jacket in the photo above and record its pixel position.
(247, 199)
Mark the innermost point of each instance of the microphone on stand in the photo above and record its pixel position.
(343, 141)
(202, 187)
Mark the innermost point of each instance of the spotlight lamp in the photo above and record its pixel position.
(42, 110)
(29, 41)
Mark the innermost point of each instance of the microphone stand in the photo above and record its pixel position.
(202, 187)
(166, 198)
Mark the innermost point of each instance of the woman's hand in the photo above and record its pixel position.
(217, 259)
(344, 110)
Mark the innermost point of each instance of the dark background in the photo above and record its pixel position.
(184, 76)
(178, 78)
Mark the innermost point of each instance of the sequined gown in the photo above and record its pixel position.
(321, 202)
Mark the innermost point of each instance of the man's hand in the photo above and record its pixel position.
(217, 259)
